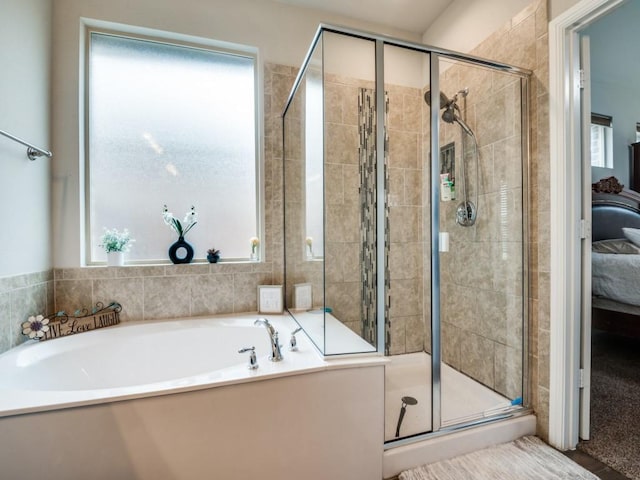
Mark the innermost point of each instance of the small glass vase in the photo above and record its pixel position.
(254, 256)
(115, 259)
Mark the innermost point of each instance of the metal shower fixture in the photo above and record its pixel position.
(466, 211)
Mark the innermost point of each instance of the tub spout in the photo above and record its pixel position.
(276, 354)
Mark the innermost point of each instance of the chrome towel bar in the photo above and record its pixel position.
(33, 152)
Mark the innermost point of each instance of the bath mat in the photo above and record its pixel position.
(527, 458)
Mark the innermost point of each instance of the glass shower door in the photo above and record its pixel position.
(482, 253)
(408, 375)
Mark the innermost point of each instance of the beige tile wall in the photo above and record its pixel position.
(166, 291)
(22, 296)
(342, 247)
(342, 199)
(524, 42)
(481, 275)
(407, 221)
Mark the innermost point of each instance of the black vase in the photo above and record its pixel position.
(213, 258)
(181, 252)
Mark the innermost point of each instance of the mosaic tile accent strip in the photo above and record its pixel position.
(367, 167)
(387, 230)
(368, 210)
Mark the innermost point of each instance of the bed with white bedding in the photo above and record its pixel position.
(615, 261)
(616, 277)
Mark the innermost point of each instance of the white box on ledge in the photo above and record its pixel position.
(270, 299)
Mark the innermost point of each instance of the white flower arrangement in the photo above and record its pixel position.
(309, 242)
(115, 241)
(190, 220)
(35, 327)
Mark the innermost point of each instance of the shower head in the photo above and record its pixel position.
(449, 115)
(450, 106)
(409, 401)
(444, 100)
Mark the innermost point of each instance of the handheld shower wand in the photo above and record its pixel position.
(405, 401)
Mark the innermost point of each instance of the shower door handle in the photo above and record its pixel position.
(443, 238)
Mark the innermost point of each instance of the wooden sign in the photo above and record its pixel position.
(61, 324)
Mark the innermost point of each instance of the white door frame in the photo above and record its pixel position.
(565, 215)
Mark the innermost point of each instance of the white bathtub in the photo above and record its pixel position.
(175, 399)
(143, 358)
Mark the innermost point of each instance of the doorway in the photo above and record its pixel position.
(570, 229)
(612, 344)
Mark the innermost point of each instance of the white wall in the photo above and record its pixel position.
(281, 32)
(615, 68)
(25, 32)
(466, 23)
(556, 7)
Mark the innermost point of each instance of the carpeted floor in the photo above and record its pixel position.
(527, 458)
(615, 403)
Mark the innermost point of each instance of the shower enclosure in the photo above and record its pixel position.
(405, 190)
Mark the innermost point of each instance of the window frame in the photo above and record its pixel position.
(179, 40)
(604, 123)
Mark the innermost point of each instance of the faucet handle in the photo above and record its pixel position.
(253, 361)
(293, 343)
(276, 353)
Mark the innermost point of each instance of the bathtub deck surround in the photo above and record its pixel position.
(190, 397)
(171, 356)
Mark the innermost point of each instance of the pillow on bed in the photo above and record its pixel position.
(616, 245)
(633, 235)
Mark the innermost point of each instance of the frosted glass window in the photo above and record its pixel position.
(175, 125)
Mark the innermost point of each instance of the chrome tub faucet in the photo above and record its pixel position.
(276, 354)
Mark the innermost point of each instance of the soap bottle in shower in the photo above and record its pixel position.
(445, 187)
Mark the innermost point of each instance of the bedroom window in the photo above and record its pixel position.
(601, 141)
(170, 124)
